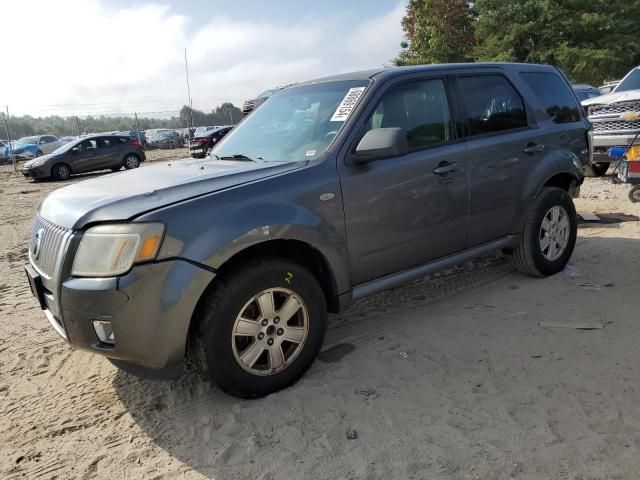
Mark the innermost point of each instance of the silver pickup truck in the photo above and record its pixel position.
(616, 120)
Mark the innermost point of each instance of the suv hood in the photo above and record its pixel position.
(608, 99)
(122, 196)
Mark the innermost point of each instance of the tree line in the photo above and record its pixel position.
(590, 40)
(24, 126)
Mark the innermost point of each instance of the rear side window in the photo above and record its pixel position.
(491, 104)
(554, 95)
(421, 108)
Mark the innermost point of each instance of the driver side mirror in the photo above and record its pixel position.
(381, 143)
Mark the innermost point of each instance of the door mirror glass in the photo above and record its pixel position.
(381, 143)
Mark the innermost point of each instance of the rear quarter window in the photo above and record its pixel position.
(555, 96)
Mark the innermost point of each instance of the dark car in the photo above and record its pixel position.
(585, 92)
(203, 142)
(86, 154)
(136, 135)
(331, 191)
(165, 139)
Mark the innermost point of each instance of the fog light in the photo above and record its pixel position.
(104, 330)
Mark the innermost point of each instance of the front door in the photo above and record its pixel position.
(84, 156)
(404, 211)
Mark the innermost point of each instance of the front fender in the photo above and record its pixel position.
(303, 205)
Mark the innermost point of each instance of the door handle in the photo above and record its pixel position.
(533, 148)
(444, 168)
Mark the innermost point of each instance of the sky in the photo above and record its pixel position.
(80, 57)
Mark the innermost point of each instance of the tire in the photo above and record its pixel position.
(634, 194)
(131, 161)
(535, 254)
(39, 153)
(116, 169)
(61, 171)
(596, 169)
(219, 354)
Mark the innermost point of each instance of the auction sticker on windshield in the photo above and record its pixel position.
(347, 104)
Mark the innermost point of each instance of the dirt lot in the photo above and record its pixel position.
(451, 377)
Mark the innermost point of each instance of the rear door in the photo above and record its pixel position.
(399, 211)
(109, 152)
(503, 146)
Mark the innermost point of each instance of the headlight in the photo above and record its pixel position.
(109, 250)
(36, 163)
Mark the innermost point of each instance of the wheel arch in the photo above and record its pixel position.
(60, 163)
(291, 249)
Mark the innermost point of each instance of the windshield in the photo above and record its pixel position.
(67, 146)
(630, 82)
(295, 124)
(27, 141)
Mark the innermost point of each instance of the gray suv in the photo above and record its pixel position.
(331, 191)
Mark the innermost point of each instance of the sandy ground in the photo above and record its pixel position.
(450, 377)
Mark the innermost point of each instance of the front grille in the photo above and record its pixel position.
(616, 126)
(615, 108)
(45, 244)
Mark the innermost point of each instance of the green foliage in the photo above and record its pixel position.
(55, 125)
(437, 31)
(590, 40)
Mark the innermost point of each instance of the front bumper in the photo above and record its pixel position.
(150, 311)
(35, 172)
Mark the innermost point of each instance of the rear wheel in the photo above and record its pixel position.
(131, 161)
(61, 171)
(596, 169)
(549, 235)
(260, 328)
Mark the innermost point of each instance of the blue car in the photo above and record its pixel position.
(31, 147)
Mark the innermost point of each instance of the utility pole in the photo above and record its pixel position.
(137, 128)
(186, 69)
(6, 127)
(78, 126)
(231, 115)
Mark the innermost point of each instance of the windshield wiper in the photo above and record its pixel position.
(240, 157)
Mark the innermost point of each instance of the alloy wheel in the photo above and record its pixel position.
(270, 331)
(554, 233)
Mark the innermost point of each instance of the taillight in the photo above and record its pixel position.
(634, 167)
(136, 143)
(203, 140)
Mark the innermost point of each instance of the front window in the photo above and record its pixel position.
(295, 124)
(27, 141)
(630, 82)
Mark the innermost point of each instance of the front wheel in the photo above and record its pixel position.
(131, 161)
(260, 328)
(549, 234)
(61, 172)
